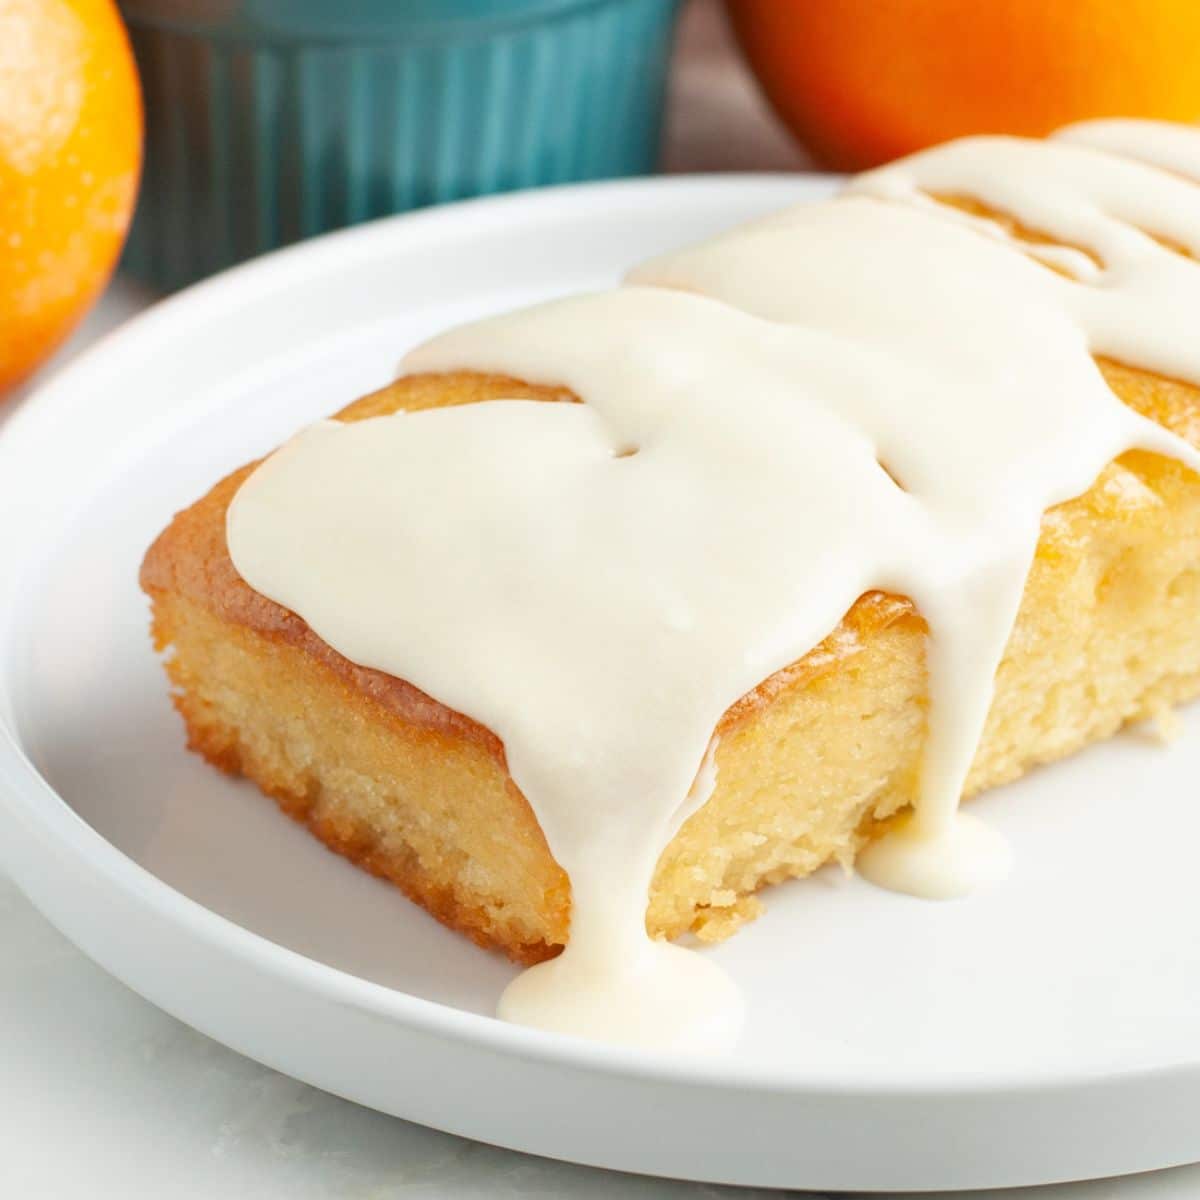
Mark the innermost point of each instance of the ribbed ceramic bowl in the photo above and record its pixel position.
(268, 121)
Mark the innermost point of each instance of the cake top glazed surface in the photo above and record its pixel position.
(882, 392)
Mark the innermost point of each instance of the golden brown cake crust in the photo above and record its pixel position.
(188, 568)
(793, 790)
(190, 557)
(178, 620)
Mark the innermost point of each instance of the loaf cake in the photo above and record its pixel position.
(809, 765)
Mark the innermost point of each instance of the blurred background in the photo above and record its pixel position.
(239, 126)
(268, 122)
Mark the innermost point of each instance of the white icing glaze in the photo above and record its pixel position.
(1141, 307)
(863, 394)
(1161, 143)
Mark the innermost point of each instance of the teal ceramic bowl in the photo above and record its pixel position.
(268, 121)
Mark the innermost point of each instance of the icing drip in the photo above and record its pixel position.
(1159, 143)
(856, 395)
(1141, 307)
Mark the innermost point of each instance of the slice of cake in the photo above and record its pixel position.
(950, 326)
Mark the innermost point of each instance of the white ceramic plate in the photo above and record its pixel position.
(1045, 1030)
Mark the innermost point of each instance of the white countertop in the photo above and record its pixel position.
(104, 1097)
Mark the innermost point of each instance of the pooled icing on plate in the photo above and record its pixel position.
(879, 392)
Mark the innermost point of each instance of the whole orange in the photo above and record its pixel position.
(863, 81)
(70, 156)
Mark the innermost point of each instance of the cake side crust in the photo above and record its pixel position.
(808, 763)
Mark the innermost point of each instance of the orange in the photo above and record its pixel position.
(863, 81)
(70, 156)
